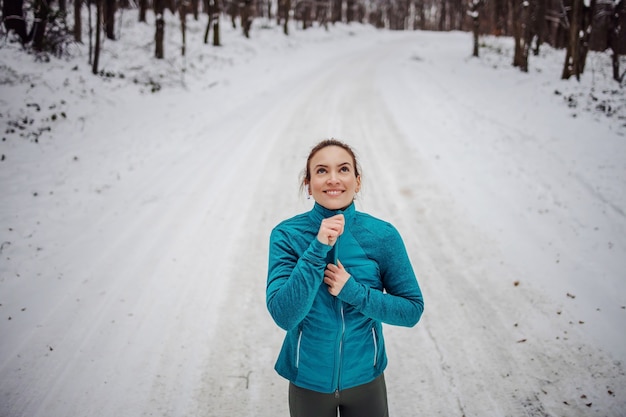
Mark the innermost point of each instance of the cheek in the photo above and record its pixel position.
(315, 185)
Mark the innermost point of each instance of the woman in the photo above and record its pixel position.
(335, 275)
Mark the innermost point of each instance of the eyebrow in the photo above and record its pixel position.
(326, 166)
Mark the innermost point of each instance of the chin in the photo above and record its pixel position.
(336, 205)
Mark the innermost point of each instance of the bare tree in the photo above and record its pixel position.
(304, 10)
(474, 12)
(78, 24)
(500, 10)
(96, 55)
(614, 38)
(520, 11)
(90, 22)
(443, 12)
(336, 14)
(246, 9)
(160, 29)
(578, 40)
(571, 66)
(539, 24)
(194, 6)
(13, 19)
(284, 7)
(183, 6)
(420, 15)
(322, 12)
(528, 31)
(143, 7)
(110, 8)
(213, 10)
(350, 10)
(232, 8)
(42, 10)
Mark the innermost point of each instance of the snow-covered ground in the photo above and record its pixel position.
(134, 224)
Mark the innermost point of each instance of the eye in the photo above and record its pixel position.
(321, 171)
(345, 169)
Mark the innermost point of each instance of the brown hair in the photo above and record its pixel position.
(306, 176)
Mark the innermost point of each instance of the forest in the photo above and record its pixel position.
(576, 26)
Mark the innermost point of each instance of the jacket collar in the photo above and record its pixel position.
(319, 212)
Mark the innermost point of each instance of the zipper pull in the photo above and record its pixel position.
(337, 393)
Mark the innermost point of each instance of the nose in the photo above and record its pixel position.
(333, 179)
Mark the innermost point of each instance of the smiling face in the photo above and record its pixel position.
(334, 179)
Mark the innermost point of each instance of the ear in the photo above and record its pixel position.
(358, 184)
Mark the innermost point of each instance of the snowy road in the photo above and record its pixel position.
(149, 300)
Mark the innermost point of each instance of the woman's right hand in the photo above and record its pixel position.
(330, 229)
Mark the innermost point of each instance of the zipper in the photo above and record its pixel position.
(343, 326)
(298, 349)
(375, 345)
(340, 358)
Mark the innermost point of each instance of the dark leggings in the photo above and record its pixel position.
(367, 400)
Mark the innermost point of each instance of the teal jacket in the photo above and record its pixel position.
(334, 343)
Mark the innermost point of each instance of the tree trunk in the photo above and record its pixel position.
(13, 19)
(207, 30)
(613, 39)
(474, 13)
(90, 21)
(572, 57)
(500, 11)
(213, 10)
(443, 12)
(96, 54)
(195, 5)
(615, 64)
(306, 15)
(350, 4)
(456, 15)
(110, 7)
(287, 4)
(78, 23)
(42, 10)
(540, 24)
(585, 33)
(247, 15)
(337, 12)
(160, 29)
(233, 11)
(182, 14)
(517, 33)
(527, 32)
(476, 27)
(143, 7)
(216, 29)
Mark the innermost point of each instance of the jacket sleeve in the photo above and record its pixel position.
(293, 281)
(401, 303)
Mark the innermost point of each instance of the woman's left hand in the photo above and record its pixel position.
(335, 276)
